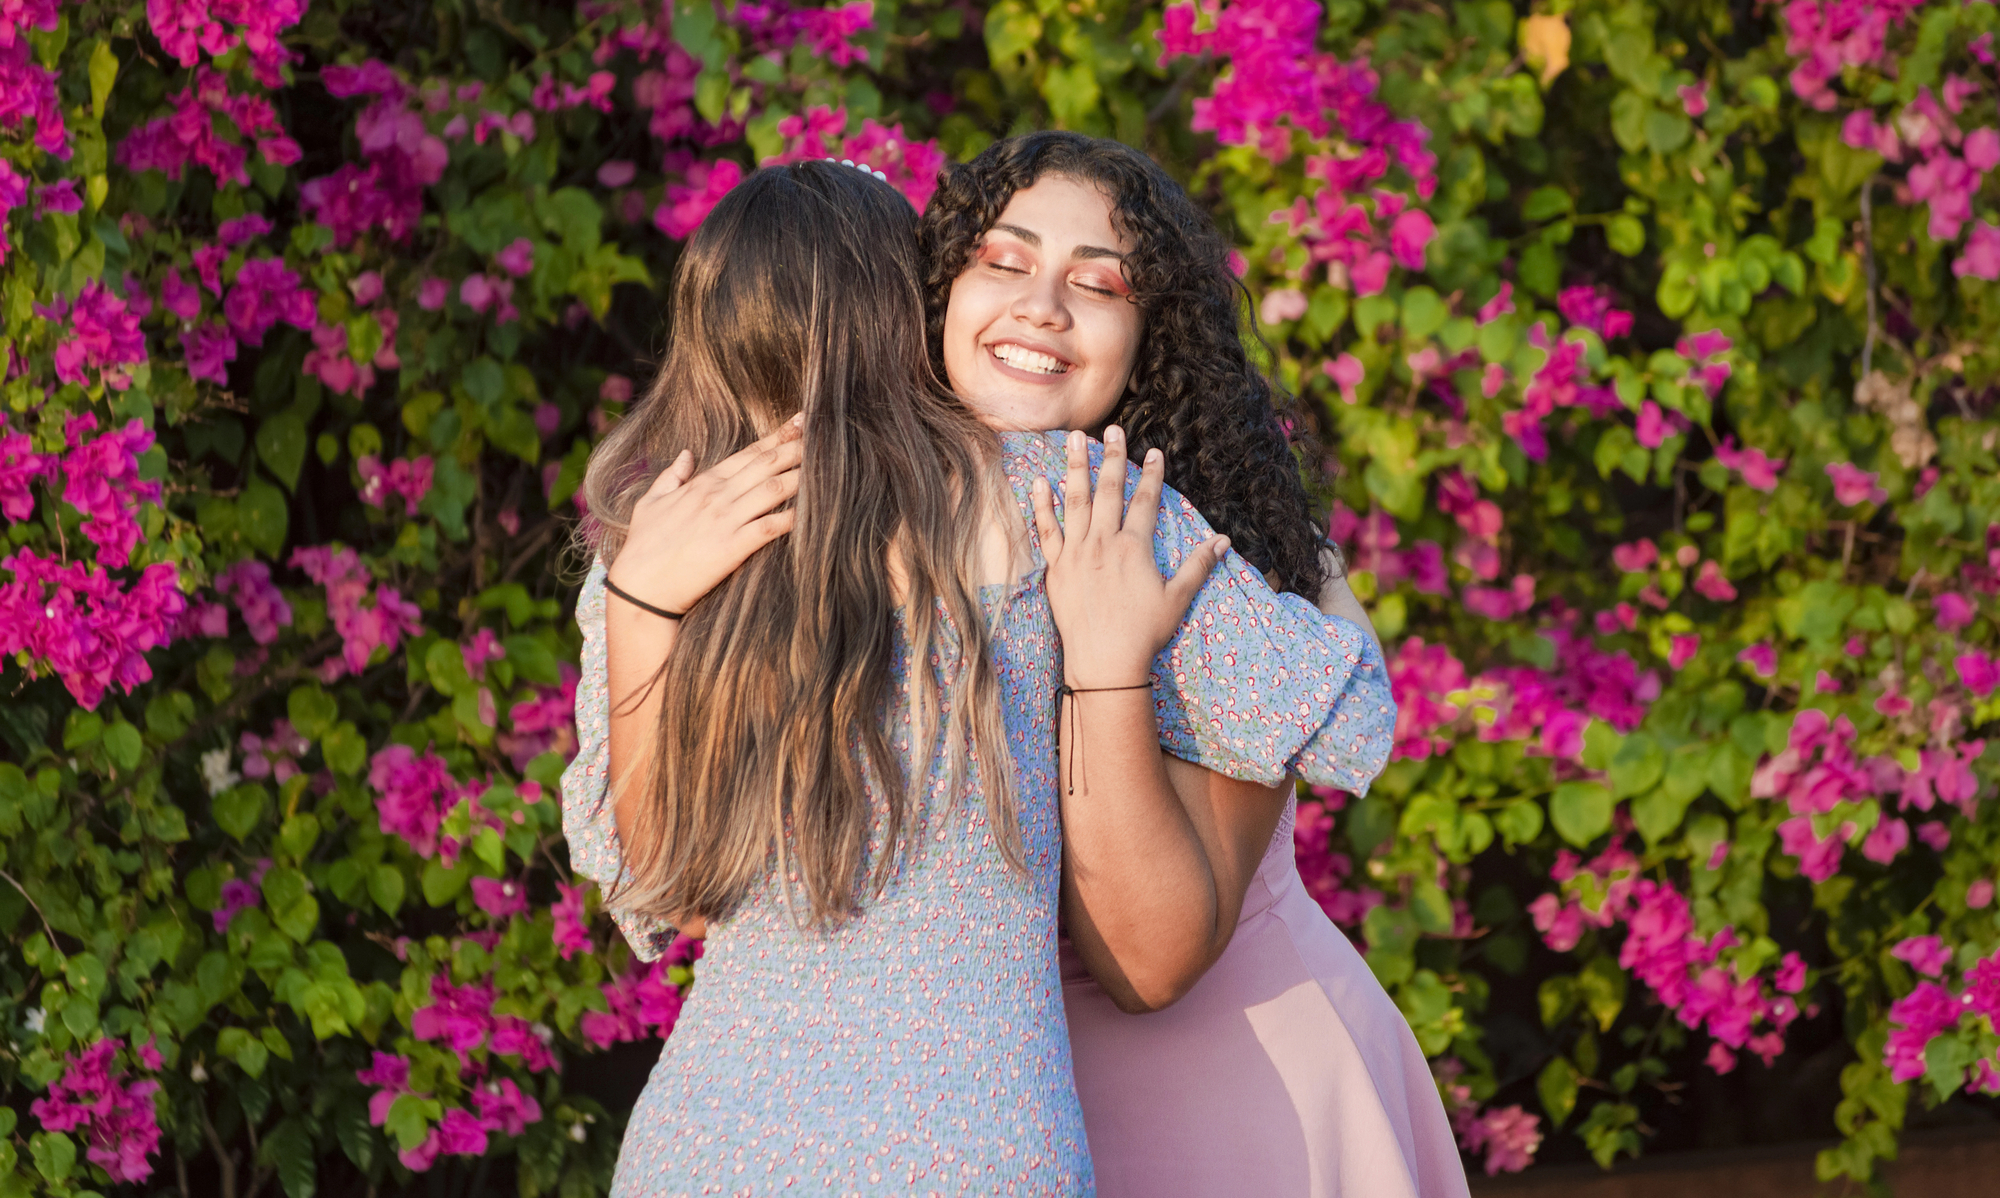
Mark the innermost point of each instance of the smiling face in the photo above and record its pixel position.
(1041, 331)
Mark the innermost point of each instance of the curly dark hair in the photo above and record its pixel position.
(1195, 394)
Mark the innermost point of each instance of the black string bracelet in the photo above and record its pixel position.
(1066, 691)
(641, 604)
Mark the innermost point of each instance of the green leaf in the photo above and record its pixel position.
(1432, 907)
(532, 660)
(238, 809)
(344, 749)
(1546, 202)
(406, 1121)
(125, 746)
(1423, 312)
(1519, 822)
(356, 1135)
(385, 886)
(103, 74)
(311, 709)
(1392, 938)
(1601, 743)
(262, 518)
(1667, 131)
(1581, 812)
(1637, 766)
(1627, 234)
(484, 381)
(292, 907)
(1945, 1062)
(281, 445)
(1557, 1087)
(1601, 985)
(54, 1154)
(289, 1150)
(442, 885)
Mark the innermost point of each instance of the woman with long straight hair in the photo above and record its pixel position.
(1227, 1038)
(819, 662)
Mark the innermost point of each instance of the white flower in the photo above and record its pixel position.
(36, 1019)
(576, 1132)
(197, 1073)
(216, 772)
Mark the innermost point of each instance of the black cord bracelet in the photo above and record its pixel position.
(639, 603)
(1066, 691)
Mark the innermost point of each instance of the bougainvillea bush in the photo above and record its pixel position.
(1651, 348)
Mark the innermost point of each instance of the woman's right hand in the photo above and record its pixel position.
(690, 531)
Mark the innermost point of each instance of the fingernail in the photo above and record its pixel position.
(1222, 547)
(799, 418)
(1113, 435)
(1152, 456)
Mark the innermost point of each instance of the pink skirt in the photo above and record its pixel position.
(1287, 1072)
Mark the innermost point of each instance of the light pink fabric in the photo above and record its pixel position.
(1287, 1072)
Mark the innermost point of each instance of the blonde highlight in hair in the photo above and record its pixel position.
(800, 292)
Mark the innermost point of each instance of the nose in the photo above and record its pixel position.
(1040, 302)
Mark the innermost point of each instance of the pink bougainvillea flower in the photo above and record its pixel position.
(1979, 673)
(1915, 1020)
(1886, 841)
(1711, 584)
(518, 258)
(1282, 304)
(689, 202)
(115, 1117)
(1981, 256)
(1682, 649)
(1694, 100)
(1635, 556)
(500, 898)
(1761, 657)
(1979, 895)
(1953, 612)
(1927, 955)
(1791, 974)
(1346, 371)
(1759, 471)
(1500, 305)
(1510, 1137)
(1819, 859)
(571, 934)
(1853, 485)
(413, 795)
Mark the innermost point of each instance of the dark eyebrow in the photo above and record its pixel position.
(1034, 240)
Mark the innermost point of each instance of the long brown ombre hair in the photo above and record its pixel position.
(800, 292)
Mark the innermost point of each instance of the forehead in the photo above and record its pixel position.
(1065, 213)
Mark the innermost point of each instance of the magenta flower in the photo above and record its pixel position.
(1953, 612)
(1682, 649)
(432, 294)
(1346, 371)
(571, 934)
(1694, 100)
(1980, 894)
(101, 481)
(104, 335)
(248, 585)
(1853, 485)
(267, 291)
(1981, 256)
(1916, 1019)
(1819, 859)
(1979, 673)
(688, 203)
(1936, 836)
(1510, 1137)
(115, 1117)
(1711, 584)
(406, 478)
(1761, 658)
(504, 1108)
(828, 32)
(414, 794)
(1886, 841)
(500, 898)
(20, 466)
(1759, 471)
(1635, 556)
(1500, 305)
(1927, 955)
(458, 1016)
(1791, 974)
(518, 259)
(1410, 236)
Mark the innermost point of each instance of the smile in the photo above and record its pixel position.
(1032, 361)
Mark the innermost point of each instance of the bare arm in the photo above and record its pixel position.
(688, 533)
(1159, 856)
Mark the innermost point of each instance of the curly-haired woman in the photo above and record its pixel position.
(1227, 1038)
(820, 728)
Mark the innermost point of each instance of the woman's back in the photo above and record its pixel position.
(921, 1044)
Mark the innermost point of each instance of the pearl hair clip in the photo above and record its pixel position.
(860, 166)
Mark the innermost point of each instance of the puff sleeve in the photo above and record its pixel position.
(1254, 685)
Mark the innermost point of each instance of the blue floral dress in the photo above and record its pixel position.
(921, 1048)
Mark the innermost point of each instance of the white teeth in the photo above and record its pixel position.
(1021, 358)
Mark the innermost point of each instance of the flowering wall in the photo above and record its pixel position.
(1653, 345)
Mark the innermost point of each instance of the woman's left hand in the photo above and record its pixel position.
(1114, 611)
